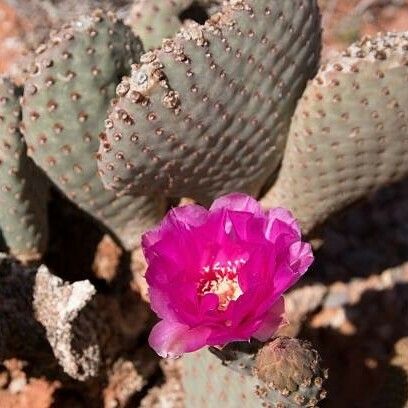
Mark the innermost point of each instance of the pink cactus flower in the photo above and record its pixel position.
(217, 276)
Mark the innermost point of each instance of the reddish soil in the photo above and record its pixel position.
(11, 29)
(343, 23)
(16, 391)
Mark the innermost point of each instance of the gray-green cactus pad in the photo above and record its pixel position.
(207, 383)
(65, 102)
(294, 378)
(349, 135)
(154, 20)
(208, 112)
(23, 189)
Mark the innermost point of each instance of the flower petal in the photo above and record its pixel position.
(301, 257)
(172, 339)
(192, 215)
(284, 279)
(283, 215)
(237, 202)
(183, 218)
(239, 224)
(272, 322)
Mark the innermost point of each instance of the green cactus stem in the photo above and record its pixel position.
(349, 134)
(23, 188)
(208, 112)
(284, 373)
(153, 20)
(65, 102)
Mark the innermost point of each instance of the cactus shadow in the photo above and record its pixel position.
(196, 13)
(24, 339)
(3, 245)
(22, 336)
(358, 347)
(364, 239)
(73, 240)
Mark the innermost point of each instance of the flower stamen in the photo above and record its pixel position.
(222, 280)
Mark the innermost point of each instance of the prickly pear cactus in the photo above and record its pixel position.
(65, 102)
(290, 371)
(44, 15)
(23, 189)
(349, 134)
(153, 20)
(157, 19)
(208, 112)
(284, 373)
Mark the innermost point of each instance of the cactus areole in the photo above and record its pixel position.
(218, 275)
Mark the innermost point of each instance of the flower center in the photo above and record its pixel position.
(222, 280)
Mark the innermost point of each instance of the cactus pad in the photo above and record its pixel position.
(208, 112)
(153, 20)
(65, 102)
(207, 383)
(23, 189)
(349, 135)
(247, 382)
(157, 19)
(291, 373)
